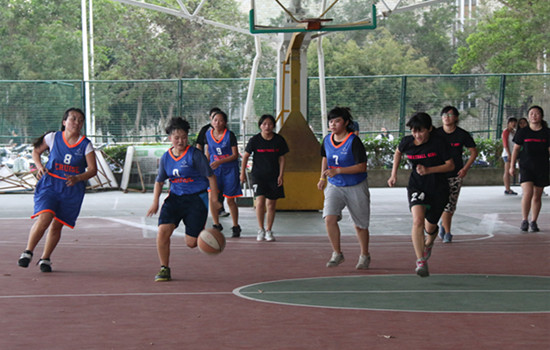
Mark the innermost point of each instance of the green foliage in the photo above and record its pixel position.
(380, 152)
(116, 156)
(490, 150)
(514, 39)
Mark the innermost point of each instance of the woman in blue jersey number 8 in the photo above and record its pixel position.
(62, 182)
(344, 165)
(189, 173)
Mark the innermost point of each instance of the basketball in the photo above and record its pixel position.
(211, 241)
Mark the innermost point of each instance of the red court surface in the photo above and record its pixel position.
(101, 294)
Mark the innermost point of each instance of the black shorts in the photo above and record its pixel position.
(191, 208)
(434, 202)
(538, 178)
(268, 188)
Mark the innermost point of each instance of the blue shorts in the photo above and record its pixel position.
(62, 201)
(191, 208)
(229, 183)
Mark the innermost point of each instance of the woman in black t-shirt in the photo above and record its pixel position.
(534, 143)
(268, 166)
(428, 189)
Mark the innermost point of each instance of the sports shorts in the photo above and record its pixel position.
(192, 209)
(229, 183)
(268, 188)
(62, 201)
(538, 178)
(434, 202)
(356, 198)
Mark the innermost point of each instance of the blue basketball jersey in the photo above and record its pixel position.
(341, 156)
(184, 175)
(67, 160)
(220, 149)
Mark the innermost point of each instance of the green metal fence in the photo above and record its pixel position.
(136, 111)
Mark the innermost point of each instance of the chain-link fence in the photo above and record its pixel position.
(136, 111)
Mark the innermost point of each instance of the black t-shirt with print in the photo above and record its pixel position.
(436, 151)
(458, 139)
(534, 153)
(266, 153)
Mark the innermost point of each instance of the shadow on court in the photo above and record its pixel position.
(490, 288)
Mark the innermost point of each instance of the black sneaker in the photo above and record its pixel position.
(45, 265)
(25, 259)
(534, 226)
(236, 231)
(218, 227)
(524, 226)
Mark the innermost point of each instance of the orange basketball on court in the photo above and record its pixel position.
(211, 241)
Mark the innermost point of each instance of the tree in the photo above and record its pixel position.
(513, 40)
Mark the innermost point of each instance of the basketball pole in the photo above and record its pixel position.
(85, 71)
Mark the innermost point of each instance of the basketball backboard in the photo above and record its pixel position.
(280, 16)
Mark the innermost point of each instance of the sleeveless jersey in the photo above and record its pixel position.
(220, 149)
(184, 177)
(341, 156)
(66, 160)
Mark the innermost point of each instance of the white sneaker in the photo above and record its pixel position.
(335, 260)
(363, 263)
(261, 234)
(269, 236)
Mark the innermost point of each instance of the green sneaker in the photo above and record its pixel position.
(163, 275)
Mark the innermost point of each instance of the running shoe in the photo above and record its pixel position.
(534, 227)
(223, 214)
(25, 259)
(524, 226)
(336, 259)
(363, 263)
(45, 265)
(427, 251)
(448, 238)
(261, 235)
(269, 236)
(422, 268)
(510, 193)
(236, 231)
(163, 275)
(441, 232)
(218, 227)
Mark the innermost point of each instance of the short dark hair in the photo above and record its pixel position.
(214, 109)
(177, 123)
(344, 113)
(264, 117)
(453, 109)
(512, 119)
(420, 120)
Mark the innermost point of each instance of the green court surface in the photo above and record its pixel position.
(437, 293)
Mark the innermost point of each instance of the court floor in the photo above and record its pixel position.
(490, 288)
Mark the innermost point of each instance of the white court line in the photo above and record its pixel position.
(252, 296)
(401, 291)
(108, 295)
